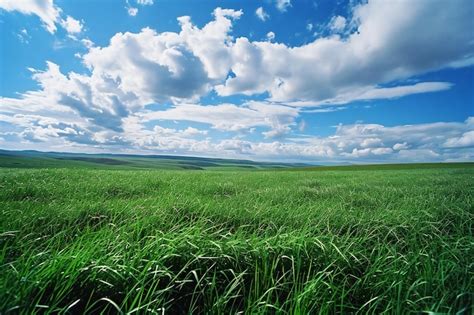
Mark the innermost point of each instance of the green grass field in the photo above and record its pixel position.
(393, 239)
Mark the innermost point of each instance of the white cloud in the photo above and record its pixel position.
(371, 142)
(402, 90)
(261, 14)
(191, 132)
(47, 11)
(132, 11)
(390, 42)
(136, 70)
(230, 117)
(71, 25)
(400, 146)
(44, 9)
(309, 27)
(376, 93)
(282, 5)
(87, 43)
(145, 2)
(188, 64)
(337, 23)
(270, 36)
(465, 140)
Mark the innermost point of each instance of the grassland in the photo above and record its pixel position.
(385, 239)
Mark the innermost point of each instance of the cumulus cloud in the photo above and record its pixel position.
(390, 42)
(136, 70)
(261, 14)
(186, 65)
(465, 140)
(168, 66)
(189, 64)
(95, 101)
(71, 25)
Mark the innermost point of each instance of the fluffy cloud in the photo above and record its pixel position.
(136, 70)
(161, 67)
(382, 48)
(71, 25)
(465, 140)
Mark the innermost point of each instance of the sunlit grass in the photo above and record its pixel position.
(367, 241)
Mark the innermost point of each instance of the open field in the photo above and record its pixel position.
(350, 239)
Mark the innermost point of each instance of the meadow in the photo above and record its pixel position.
(369, 240)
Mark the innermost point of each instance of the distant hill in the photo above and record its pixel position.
(37, 159)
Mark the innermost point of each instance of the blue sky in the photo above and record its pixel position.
(313, 81)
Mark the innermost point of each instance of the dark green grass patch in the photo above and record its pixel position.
(328, 241)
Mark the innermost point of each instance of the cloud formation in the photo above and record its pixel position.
(383, 48)
(71, 25)
(139, 81)
(230, 117)
(44, 9)
(357, 142)
(47, 11)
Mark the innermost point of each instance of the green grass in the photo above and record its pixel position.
(260, 242)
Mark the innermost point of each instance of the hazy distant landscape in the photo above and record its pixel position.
(20, 159)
